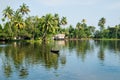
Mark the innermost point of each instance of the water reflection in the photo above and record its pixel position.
(112, 46)
(82, 47)
(19, 57)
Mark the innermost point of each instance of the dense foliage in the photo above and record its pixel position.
(82, 30)
(19, 25)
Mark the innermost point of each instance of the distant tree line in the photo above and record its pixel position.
(82, 30)
(19, 25)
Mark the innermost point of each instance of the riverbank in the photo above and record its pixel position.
(50, 40)
(91, 39)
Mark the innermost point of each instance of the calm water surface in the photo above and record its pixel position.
(77, 60)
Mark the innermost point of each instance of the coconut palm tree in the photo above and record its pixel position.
(101, 23)
(24, 9)
(32, 26)
(78, 25)
(47, 25)
(18, 20)
(84, 25)
(57, 20)
(64, 21)
(8, 12)
(18, 23)
(83, 21)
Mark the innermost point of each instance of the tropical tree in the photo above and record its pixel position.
(29, 27)
(57, 19)
(116, 31)
(59, 22)
(71, 31)
(80, 29)
(8, 13)
(1, 32)
(32, 26)
(106, 33)
(112, 31)
(97, 34)
(78, 26)
(7, 30)
(47, 25)
(84, 25)
(18, 20)
(17, 23)
(101, 23)
(83, 20)
(64, 21)
(24, 9)
(91, 30)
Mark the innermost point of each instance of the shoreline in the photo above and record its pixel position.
(67, 39)
(90, 39)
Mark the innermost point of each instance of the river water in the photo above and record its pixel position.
(77, 60)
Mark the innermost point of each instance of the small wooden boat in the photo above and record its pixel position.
(54, 51)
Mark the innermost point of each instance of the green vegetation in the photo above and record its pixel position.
(18, 25)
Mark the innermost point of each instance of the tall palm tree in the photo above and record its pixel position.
(18, 20)
(32, 23)
(78, 25)
(18, 24)
(47, 24)
(8, 12)
(57, 20)
(101, 23)
(84, 25)
(71, 31)
(24, 9)
(64, 21)
(83, 20)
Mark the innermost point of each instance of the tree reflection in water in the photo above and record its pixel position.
(23, 72)
(7, 70)
(111, 45)
(19, 57)
(82, 47)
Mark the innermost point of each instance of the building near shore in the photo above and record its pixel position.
(59, 37)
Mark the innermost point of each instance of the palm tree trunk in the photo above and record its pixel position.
(44, 36)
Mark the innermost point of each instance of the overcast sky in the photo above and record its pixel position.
(74, 10)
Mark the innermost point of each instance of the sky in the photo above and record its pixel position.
(74, 10)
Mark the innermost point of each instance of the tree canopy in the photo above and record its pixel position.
(18, 24)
